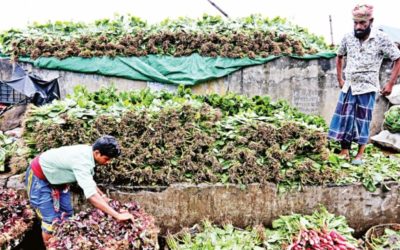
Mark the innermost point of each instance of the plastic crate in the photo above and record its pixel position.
(9, 96)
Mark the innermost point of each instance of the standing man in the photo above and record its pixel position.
(49, 173)
(364, 50)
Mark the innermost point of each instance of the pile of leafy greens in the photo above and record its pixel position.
(320, 230)
(182, 137)
(211, 36)
(7, 148)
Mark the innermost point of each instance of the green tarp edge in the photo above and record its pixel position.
(187, 70)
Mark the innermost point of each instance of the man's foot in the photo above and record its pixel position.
(344, 156)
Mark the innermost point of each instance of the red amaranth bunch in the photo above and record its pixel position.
(93, 229)
(320, 240)
(16, 218)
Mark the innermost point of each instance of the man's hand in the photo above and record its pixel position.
(105, 198)
(341, 83)
(124, 216)
(387, 89)
(101, 204)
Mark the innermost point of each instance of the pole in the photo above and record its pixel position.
(330, 24)
(218, 8)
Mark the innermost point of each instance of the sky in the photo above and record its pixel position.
(311, 14)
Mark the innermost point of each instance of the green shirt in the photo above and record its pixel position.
(70, 164)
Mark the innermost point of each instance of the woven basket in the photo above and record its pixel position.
(377, 231)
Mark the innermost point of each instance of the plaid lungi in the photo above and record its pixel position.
(352, 118)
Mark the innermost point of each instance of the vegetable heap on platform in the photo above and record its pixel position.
(168, 138)
(210, 36)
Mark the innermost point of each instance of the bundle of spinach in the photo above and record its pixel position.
(212, 237)
(7, 149)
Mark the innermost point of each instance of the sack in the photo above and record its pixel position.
(394, 97)
(387, 140)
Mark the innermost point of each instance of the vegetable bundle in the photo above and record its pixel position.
(16, 218)
(93, 230)
(212, 36)
(321, 230)
(392, 119)
(7, 148)
(209, 237)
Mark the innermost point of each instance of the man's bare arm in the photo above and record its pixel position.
(97, 201)
(387, 89)
(339, 70)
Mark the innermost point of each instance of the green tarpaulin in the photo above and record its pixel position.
(188, 70)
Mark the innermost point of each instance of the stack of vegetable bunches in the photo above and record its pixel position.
(16, 218)
(392, 119)
(321, 230)
(389, 240)
(252, 37)
(168, 138)
(209, 237)
(7, 148)
(93, 230)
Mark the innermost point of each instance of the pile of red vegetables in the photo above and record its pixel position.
(320, 239)
(93, 229)
(16, 218)
(320, 230)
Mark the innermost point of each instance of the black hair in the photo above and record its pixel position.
(108, 146)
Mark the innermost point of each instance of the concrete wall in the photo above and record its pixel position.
(309, 85)
(183, 205)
